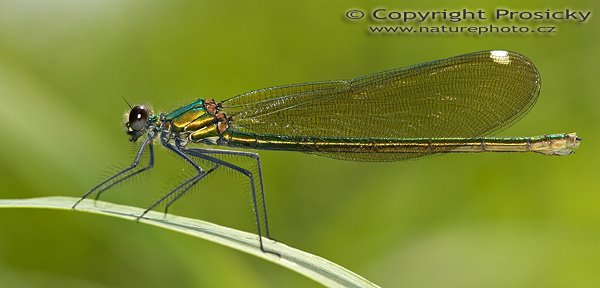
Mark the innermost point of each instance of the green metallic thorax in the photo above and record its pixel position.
(186, 111)
(192, 121)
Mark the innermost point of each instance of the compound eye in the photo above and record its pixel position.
(138, 117)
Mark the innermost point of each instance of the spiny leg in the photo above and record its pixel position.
(150, 165)
(260, 178)
(199, 175)
(124, 174)
(192, 181)
(199, 153)
(180, 190)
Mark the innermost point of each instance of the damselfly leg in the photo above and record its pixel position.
(123, 174)
(185, 186)
(202, 154)
(260, 182)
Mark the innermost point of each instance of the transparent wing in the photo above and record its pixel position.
(471, 95)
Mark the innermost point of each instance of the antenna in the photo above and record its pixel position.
(130, 107)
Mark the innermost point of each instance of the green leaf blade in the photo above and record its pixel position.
(309, 265)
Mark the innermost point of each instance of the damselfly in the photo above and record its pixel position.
(444, 106)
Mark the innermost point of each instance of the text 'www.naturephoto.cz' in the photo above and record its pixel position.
(501, 20)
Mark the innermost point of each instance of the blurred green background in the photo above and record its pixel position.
(484, 220)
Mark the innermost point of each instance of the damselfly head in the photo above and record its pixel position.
(138, 121)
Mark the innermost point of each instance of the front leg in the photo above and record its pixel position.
(125, 173)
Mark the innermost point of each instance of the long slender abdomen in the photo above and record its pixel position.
(554, 144)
